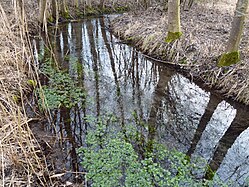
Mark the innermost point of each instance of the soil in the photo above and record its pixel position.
(205, 28)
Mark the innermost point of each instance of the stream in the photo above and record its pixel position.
(121, 82)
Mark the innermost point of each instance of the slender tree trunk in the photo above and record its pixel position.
(42, 11)
(146, 3)
(64, 8)
(89, 3)
(232, 51)
(55, 11)
(102, 4)
(76, 3)
(237, 26)
(174, 26)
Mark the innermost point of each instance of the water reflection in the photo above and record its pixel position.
(120, 81)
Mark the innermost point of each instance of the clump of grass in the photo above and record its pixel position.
(19, 160)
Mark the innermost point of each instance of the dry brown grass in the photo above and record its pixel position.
(205, 32)
(19, 161)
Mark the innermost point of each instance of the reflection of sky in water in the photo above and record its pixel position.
(235, 165)
(146, 87)
(216, 128)
(180, 121)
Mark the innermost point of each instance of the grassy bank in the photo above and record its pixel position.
(205, 30)
(19, 150)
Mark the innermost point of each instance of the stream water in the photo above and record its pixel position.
(120, 81)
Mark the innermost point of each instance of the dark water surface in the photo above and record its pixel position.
(121, 81)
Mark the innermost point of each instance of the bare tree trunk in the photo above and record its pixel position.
(55, 11)
(76, 3)
(232, 55)
(89, 3)
(102, 4)
(237, 26)
(174, 26)
(42, 11)
(146, 4)
(63, 7)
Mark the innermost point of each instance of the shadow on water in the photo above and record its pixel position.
(120, 81)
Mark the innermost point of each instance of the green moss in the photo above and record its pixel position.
(32, 83)
(65, 15)
(90, 11)
(129, 39)
(209, 173)
(172, 36)
(50, 19)
(16, 98)
(121, 9)
(228, 59)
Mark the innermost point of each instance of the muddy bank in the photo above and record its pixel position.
(205, 33)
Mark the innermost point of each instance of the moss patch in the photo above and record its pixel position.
(121, 9)
(228, 59)
(65, 15)
(172, 36)
(90, 11)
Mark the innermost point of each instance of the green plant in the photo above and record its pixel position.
(61, 89)
(112, 160)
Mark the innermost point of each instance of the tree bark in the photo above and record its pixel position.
(174, 16)
(76, 3)
(237, 26)
(174, 26)
(42, 11)
(55, 11)
(63, 7)
(232, 55)
(102, 4)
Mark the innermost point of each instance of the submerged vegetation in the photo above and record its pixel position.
(61, 90)
(111, 158)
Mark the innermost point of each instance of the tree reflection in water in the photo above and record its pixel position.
(120, 81)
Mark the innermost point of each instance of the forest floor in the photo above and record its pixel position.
(205, 28)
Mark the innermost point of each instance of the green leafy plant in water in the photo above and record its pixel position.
(112, 160)
(61, 89)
